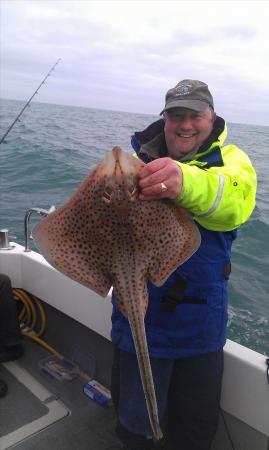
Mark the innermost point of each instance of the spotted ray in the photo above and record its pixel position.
(104, 236)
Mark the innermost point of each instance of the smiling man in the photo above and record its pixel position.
(186, 319)
(186, 130)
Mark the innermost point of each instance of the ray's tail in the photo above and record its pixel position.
(139, 337)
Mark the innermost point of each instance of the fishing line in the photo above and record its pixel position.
(29, 101)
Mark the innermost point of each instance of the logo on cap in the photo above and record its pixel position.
(183, 89)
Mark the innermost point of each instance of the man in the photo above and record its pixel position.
(10, 336)
(187, 316)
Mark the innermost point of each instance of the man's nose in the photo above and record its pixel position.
(186, 122)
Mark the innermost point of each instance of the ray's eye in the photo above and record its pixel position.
(108, 194)
(132, 190)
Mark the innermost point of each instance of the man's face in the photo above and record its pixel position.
(186, 130)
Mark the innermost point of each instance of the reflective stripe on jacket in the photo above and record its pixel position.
(188, 314)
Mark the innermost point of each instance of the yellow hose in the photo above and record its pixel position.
(29, 317)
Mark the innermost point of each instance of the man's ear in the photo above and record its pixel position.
(214, 116)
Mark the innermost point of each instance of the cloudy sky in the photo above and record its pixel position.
(125, 55)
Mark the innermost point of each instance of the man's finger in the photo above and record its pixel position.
(153, 167)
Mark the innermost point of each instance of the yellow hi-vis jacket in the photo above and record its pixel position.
(221, 197)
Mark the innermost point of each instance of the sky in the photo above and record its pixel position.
(125, 55)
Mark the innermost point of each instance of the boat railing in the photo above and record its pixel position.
(27, 231)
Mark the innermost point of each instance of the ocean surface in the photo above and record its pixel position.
(52, 148)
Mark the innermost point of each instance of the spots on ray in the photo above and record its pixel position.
(123, 243)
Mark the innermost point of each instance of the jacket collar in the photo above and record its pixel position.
(150, 143)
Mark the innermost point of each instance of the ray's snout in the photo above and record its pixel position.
(121, 184)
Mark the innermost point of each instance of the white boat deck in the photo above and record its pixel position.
(245, 393)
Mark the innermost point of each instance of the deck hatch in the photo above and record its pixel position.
(44, 408)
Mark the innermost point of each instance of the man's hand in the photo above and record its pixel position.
(161, 178)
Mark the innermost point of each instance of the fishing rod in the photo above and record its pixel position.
(29, 101)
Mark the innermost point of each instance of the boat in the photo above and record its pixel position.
(59, 396)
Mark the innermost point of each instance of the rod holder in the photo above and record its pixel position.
(4, 240)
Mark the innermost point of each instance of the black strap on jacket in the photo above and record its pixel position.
(175, 293)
